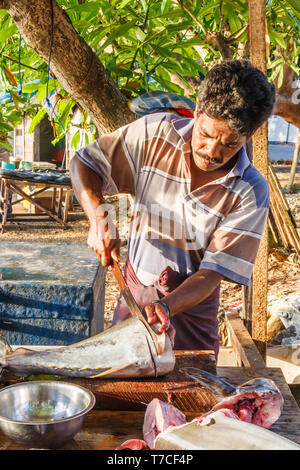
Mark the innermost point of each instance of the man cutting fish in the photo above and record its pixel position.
(200, 206)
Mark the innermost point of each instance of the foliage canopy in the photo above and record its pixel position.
(144, 45)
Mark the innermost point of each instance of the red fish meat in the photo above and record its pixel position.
(133, 444)
(158, 417)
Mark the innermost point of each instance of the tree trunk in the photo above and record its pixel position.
(73, 62)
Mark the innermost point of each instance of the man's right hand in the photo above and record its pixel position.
(103, 237)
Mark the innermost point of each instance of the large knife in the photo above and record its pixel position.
(158, 339)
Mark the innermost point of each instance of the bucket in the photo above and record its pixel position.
(7, 166)
(27, 165)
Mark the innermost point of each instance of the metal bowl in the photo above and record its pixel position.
(43, 414)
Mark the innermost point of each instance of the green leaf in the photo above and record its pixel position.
(5, 144)
(168, 85)
(181, 26)
(42, 91)
(277, 38)
(8, 32)
(295, 4)
(280, 77)
(30, 87)
(276, 62)
(6, 127)
(165, 6)
(295, 68)
(75, 140)
(123, 4)
(65, 108)
(234, 22)
(37, 119)
(121, 72)
(84, 7)
(139, 33)
(119, 31)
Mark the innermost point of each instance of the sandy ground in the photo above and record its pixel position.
(283, 268)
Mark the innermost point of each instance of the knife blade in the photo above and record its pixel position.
(158, 339)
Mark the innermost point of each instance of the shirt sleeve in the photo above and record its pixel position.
(234, 244)
(116, 157)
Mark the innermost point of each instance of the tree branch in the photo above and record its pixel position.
(89, 84)
(234, 37)
(16, 62)
(192, 16)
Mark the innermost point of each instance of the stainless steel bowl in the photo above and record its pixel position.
(43, 414)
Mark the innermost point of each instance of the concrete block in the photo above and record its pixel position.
(51, 294)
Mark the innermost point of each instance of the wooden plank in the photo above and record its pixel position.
(257, 31)
(5, 206)
(247, 306)
(66, 203)
(53, 200)
(33, 193)
(242, 343)
(286, 223)
(295, 160)
(59, 203)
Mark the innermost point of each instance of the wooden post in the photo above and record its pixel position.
(295, 160)
(257, 32)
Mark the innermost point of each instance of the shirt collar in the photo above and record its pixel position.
(241, 164)
(184, 128)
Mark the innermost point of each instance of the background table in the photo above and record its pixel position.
(61, 197)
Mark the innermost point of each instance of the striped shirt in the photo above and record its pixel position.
(217, 226)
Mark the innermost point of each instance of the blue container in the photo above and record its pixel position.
(7, 166)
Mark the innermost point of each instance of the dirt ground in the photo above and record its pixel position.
(283, 266)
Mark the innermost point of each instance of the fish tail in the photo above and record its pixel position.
(220, 388)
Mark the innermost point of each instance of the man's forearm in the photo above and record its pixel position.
(192, 291)
(87, 186)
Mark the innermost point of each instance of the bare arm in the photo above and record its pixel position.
(192, 291)
(103, 237)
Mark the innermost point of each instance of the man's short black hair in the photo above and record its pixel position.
(238, 93)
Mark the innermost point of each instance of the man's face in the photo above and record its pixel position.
(214, 143)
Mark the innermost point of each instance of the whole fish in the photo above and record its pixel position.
(257, 401)
(221, 430)
(124, 350)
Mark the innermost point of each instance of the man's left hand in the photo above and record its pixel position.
(157, 312)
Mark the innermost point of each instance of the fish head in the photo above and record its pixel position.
(258, 401)
(258, 385)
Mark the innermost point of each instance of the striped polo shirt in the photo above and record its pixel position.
(217, 226)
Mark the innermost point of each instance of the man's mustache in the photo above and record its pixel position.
(206, 157)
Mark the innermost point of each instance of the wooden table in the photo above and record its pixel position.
(61, 195)
(105, 429)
